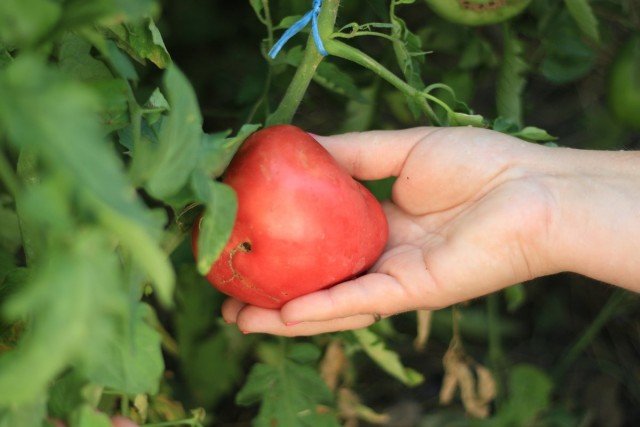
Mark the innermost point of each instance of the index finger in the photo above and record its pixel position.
(374, 154)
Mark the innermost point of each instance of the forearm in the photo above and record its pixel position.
(596, 228)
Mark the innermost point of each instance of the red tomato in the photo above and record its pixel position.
(303, 223)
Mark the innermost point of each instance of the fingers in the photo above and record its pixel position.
(375, 154)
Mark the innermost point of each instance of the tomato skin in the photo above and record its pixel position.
(624, 85)
(478, 12)
(303, 223)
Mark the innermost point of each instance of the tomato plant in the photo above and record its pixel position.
(124, 123)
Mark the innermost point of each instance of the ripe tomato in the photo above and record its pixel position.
(303, 223)
(477, 12)
(624, 85)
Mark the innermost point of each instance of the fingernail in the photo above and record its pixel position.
(292, 323)
(245, 332)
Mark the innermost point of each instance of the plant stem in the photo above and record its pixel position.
(342, 50)
(312, 58)
(610, 308)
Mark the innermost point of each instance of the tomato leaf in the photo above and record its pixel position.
(388, 360)
(211, 352)
(72, 302)
(70, 139)
(176, 153)
(217, 222)
(582, 13)
(131, 363)
(23, 22)
(218, 149)
(31, 414)
(278, 387)
(511, 79)
(86, 416)
(529, 394)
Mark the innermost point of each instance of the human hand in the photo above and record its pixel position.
(472, 211)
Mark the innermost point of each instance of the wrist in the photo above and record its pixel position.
(596, 214)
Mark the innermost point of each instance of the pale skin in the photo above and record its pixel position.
(473, 211)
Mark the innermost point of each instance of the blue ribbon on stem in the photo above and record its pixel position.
(311, 16)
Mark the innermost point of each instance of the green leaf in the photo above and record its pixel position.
(114, 103)
(146, 41)
(511, 79)
(30, 414)
(359, 117)
(305, 353)
(461, 119)
(409, 54)
(217, 222)
(292, 394)
(387, 359)
(23, 22)
(567, 58)
(10, 237)
(65, 394)
(72, 302)
(258, 7)
(515, 296)
(331, 77)
(120, 62)
(531, 133)
(218, 149)
(75, 59)
(176, 155)
(86, 416)
(69, 138)
(131, 362)
(583, 15)
(211, 352)
(529, 394)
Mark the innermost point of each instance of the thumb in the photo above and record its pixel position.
(373, 154)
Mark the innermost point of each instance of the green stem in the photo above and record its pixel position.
(124, 405)
(342, 50)
(577, 348)
(312, 58)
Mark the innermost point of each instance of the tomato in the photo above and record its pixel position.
(478, 12)
(624, 85)
(303, 222)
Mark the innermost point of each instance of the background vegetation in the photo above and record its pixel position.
(114, 117)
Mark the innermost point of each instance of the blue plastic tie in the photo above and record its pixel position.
(311, 16)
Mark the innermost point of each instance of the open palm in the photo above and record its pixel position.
(469, 215)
